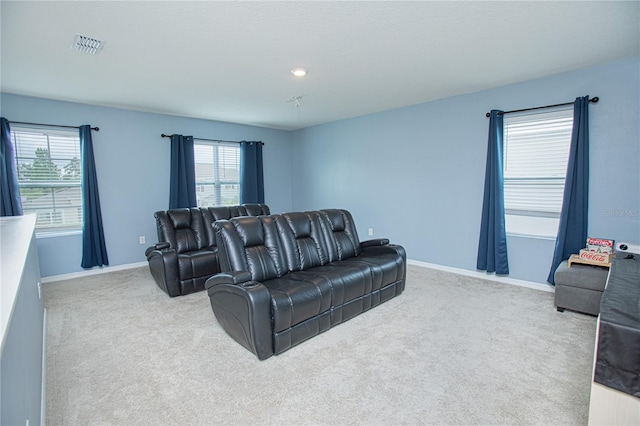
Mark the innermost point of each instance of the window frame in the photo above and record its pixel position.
(21, 161)
(552, 130)
(220, 179)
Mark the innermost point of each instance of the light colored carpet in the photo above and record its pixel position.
(449, 350)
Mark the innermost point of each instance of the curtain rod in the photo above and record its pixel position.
(594, 100)
(51, 125)
(209, 140)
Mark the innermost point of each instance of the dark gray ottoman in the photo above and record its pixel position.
(580, 287)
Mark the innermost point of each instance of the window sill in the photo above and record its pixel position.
(54, 234)
(536, 227)
(532, 236)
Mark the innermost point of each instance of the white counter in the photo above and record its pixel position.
(22, 320)
(16, 233)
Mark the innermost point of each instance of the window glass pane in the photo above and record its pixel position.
(49, 176)
(217, 173)
(535, 163)
(532, 226)
(64, 147)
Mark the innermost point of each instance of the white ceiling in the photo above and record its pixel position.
(231, 60)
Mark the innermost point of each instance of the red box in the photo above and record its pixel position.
(593, 256)
(600, 245)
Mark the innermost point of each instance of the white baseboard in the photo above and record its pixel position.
(89, 272)
(474, 274)
(43, 386)
(484, 276)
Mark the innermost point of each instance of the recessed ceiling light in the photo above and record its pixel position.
(299, 72)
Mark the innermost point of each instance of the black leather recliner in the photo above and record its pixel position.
(186, 254)
(288, 277)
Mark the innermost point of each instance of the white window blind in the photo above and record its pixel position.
(217, 167)
(49, 177)
(536, 153)
(535, 161)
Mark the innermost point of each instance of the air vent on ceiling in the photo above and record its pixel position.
(87, 44)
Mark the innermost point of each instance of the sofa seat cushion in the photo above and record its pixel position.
(391, 265)
(199, 263)
(347, 283)
(296, 298)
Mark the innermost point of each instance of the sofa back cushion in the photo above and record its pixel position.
(221, 212)
(250, 243)
(254, 209)
(270, 246)
(182, 228)
(211, 214)
(302, 240)
(191, 229)
(340, 234)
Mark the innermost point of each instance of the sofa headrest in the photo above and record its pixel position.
(220, 212)
(336, 219)
(180, 218)
(250, 230)
(254, 209)
(299, 224)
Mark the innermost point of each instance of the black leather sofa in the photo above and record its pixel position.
(186, 253)
(288, 277)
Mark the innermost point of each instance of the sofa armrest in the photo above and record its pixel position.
(158, 246)
(233, 277)
(386, 249)
(374, 242)
(163, 264)
(390, 249)
(243, 310)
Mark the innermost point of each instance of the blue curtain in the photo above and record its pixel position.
(11, 203)
(572, 231)
(94, 250)
(492, 248)
(182, 188)
(251, 176)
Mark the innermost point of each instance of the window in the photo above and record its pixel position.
(217, 173)
(49, 177)
(535, 165)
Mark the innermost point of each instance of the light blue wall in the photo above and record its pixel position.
(416, 174)
(132, 163)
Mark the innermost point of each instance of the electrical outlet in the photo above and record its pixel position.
(371, 232)
(142, 239)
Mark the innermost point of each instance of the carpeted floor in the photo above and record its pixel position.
(451, 350)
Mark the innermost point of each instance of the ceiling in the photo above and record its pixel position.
(231, 60)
